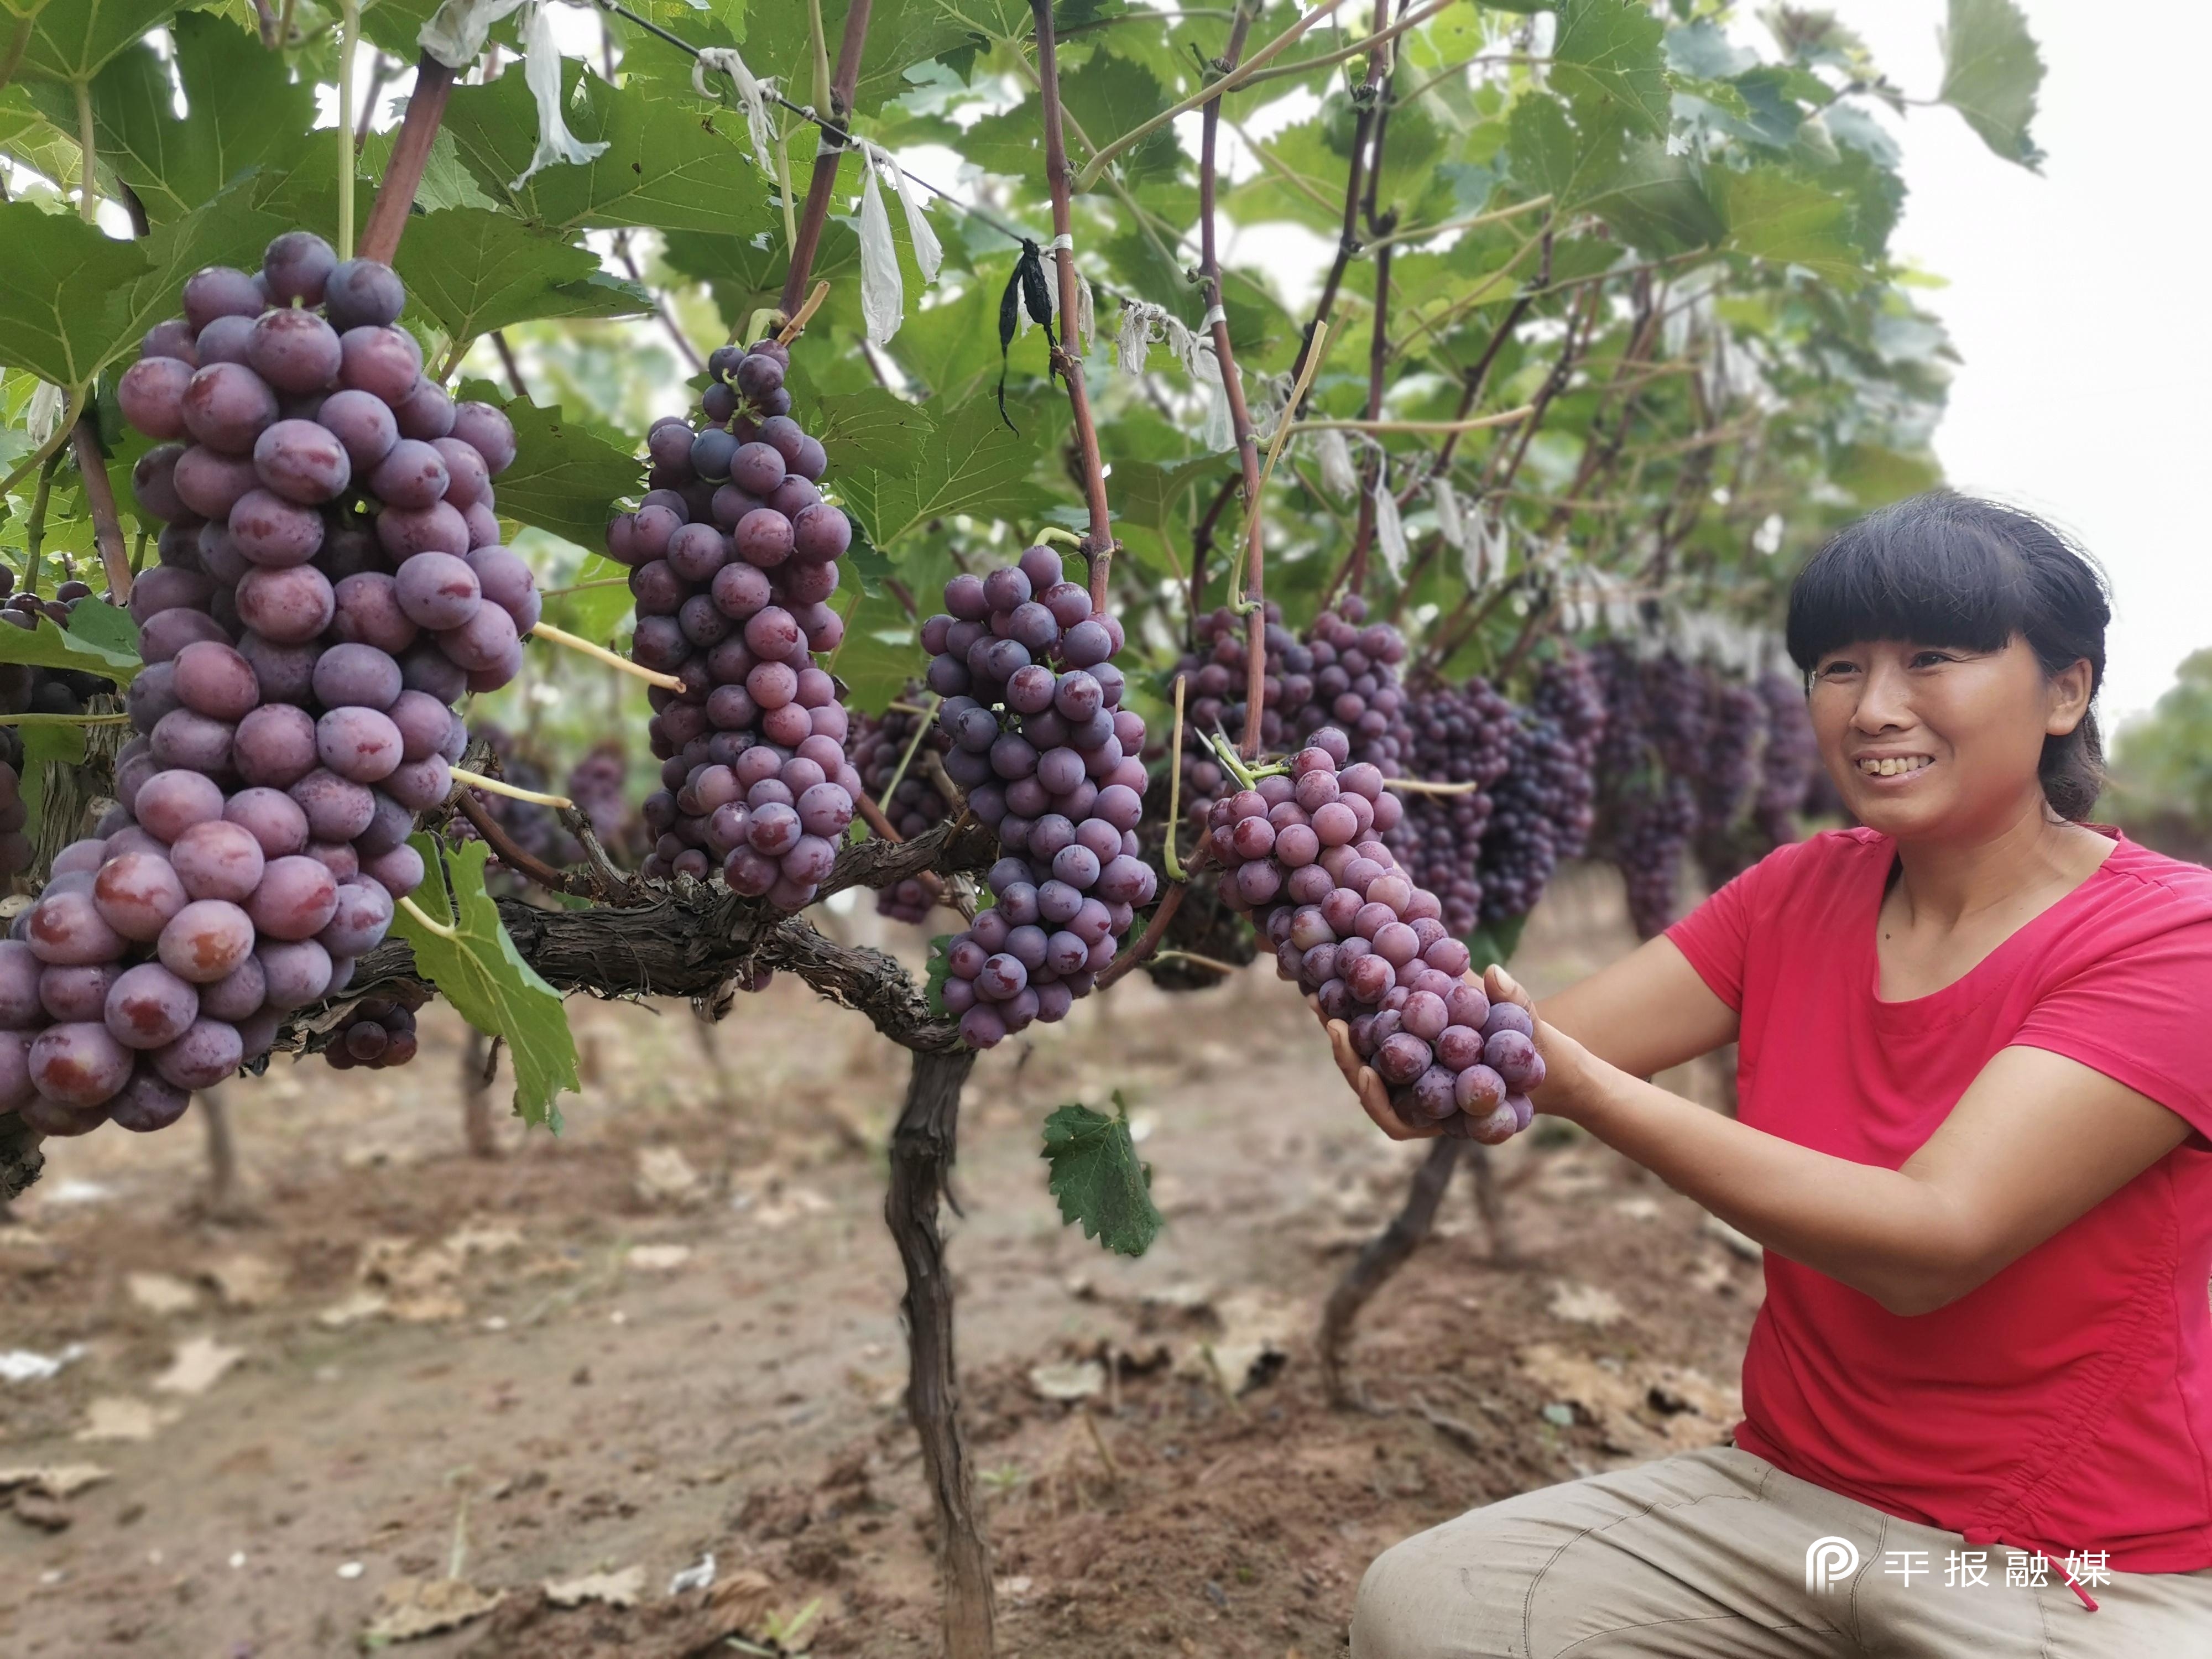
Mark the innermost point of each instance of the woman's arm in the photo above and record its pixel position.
(2035, 1142)
(1646, 1012)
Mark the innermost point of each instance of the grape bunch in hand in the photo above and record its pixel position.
(1303, 852)
(733, 556)
(1050, 759)
(329, 584)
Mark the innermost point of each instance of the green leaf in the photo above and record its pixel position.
(242, 112)
(1610, 51)
(1096, 1177)
(1495, 943)
(879, 652)
(666, 167)
(1775, 215)
(226, 230)
(971, 464)
(1109, 96)
(446, 181)
(596, 613)
(1655, 202)
(56, 306)
(889, 431)
(475, 270)
(902, 35)
(1991, 70)
(480, 972)
(565, 475)
(940, 965)
(42, 742)
(99, 640)
(74, 39)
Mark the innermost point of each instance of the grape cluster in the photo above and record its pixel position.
(1050, 759)
(1655, 729)
(1461, 735)
(1788, 762)
(733, 556)
(329, 584)
(382, 1034)
(1736, 727)
(1342, 674)
(1568, 695)
(878, 747)
(1303, 849)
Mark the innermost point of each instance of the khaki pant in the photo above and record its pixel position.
(1704, 1556)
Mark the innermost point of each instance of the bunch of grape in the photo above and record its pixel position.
(1736, 727)
(1049, 758)
(1341, 674)
(1787, 764)
(382, 1034)
(1303, 849)
(600, 785)
(1568, 695)
(733, 556)
(330, 585)
(879, 747)
(1459, 736)
(1654, 730)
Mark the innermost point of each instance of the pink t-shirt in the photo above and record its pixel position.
(2066, 1403)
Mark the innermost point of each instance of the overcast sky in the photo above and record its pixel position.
(2073, 299)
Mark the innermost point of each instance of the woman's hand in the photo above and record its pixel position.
(1567, 1064)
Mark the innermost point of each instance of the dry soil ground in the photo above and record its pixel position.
(411, 1380)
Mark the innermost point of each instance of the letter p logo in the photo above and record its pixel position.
(1829, 1563)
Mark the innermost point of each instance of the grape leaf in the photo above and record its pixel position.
(971, 464)
(879, 655)
(480, 972)
(56, 306)
(1096, 1177)
(940, 965)
(1775, 215)
(447, 183)
(1609, 52)
(564, 475)
(475, 270)
(242, 111)
(99, 640)
(1992, 71)
(666, 167)
(1496, 942)
(226, 230)
(778, 41)
(74, 39)
(594, 613)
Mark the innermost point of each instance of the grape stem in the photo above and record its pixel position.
(1067, 355)
(792, 329)
(100, 498)
(87, 204)
(827, 157)
(510, 854)
(1502, 417)
(1175, 788)
(1423, 787)
(560, 636)
(424, 919)
(1224, 968)
(511, 791)
(1316, 349)
(921, 731)
(64, 719)
(349, 36)
(410, 154)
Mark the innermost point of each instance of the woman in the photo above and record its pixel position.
(1976, 1084)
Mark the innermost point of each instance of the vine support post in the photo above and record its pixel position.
(478, 1062)
(410, 154)
(923, 1146)
(1067, 360)
(823, 183)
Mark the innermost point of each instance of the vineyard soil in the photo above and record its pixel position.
(673, 1332)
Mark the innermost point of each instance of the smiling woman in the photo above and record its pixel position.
(1976, 1090)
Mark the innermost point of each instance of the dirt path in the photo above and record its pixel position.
(673, 1332)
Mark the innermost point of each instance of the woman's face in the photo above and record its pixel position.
(1927, 740)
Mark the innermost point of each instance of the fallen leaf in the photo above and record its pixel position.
(199, 1364)
(788, 1204)
(665, 1176)
(616, 1590)
(121, 1417)
(246, 1281)
(55, 1479)
(659, 1258)
(27, 1365)
(430, 1308)
(484, 1240)
(1638, 1209)
(1076, 1382)
(161, 1293)
(362, 1304)
(34, 1509)
(743, 1600)
(1585, 1304)
(406, 1264)
(407, 1608)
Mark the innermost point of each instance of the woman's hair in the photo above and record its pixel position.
(1943, 568)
